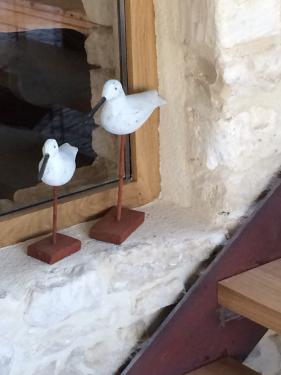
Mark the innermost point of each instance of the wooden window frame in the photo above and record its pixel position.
(145, 184)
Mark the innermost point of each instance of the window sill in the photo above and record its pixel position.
(105, 296)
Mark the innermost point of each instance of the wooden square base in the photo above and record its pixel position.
(47, 252)
(108, 229)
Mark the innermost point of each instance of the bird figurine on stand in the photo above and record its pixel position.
(122, 115)
(56, 168)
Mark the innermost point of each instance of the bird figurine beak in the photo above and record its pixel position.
(43, 167)
(97, 107)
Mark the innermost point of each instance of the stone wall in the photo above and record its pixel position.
(219, 65)
(88, 313)
(220, 68)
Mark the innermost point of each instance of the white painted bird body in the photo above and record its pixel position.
(124, 114)
(60, 166)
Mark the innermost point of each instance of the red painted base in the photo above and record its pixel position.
(108, 229)
(47, 252)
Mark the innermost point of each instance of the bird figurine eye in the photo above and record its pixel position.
(115, 88)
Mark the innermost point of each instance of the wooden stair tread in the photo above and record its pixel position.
(255, 294)
(224, 367)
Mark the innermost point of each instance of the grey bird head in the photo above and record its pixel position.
(112, 89)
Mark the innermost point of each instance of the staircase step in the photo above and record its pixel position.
(255, 294)
(225, 366)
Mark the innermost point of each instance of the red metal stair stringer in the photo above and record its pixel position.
(193, 334)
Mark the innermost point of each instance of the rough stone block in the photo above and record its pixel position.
(100, 11)
(100, 48)
(235, 143)
(240, 21)
(66, 318)
(256, 69)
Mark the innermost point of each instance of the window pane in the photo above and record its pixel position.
(54, 58)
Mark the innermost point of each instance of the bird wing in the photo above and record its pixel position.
(136, 106)
(127, 114)
(122, 110)
(146, 99)
(69, 150)
(135, 113)
(140, 107)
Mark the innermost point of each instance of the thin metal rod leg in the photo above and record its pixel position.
(55, 213)
(121, 175)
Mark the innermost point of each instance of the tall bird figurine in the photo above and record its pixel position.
(56, 168)
(122, 115)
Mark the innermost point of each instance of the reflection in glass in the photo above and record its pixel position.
(54, 57)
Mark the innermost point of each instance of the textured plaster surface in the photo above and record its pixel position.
(85, 314)
(219, 64)
(220, 69)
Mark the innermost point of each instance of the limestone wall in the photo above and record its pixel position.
(88, 313)
(220, 68)
(219, 65)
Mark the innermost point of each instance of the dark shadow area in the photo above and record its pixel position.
(44, 93)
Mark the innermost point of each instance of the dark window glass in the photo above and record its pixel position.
(54, 58)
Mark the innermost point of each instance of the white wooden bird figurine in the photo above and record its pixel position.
(124, 114)
(58, 165)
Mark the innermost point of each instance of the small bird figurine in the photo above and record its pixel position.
(55, 169)
(58, 164)
(124, 114)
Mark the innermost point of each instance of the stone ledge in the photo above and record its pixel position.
(55, 319)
